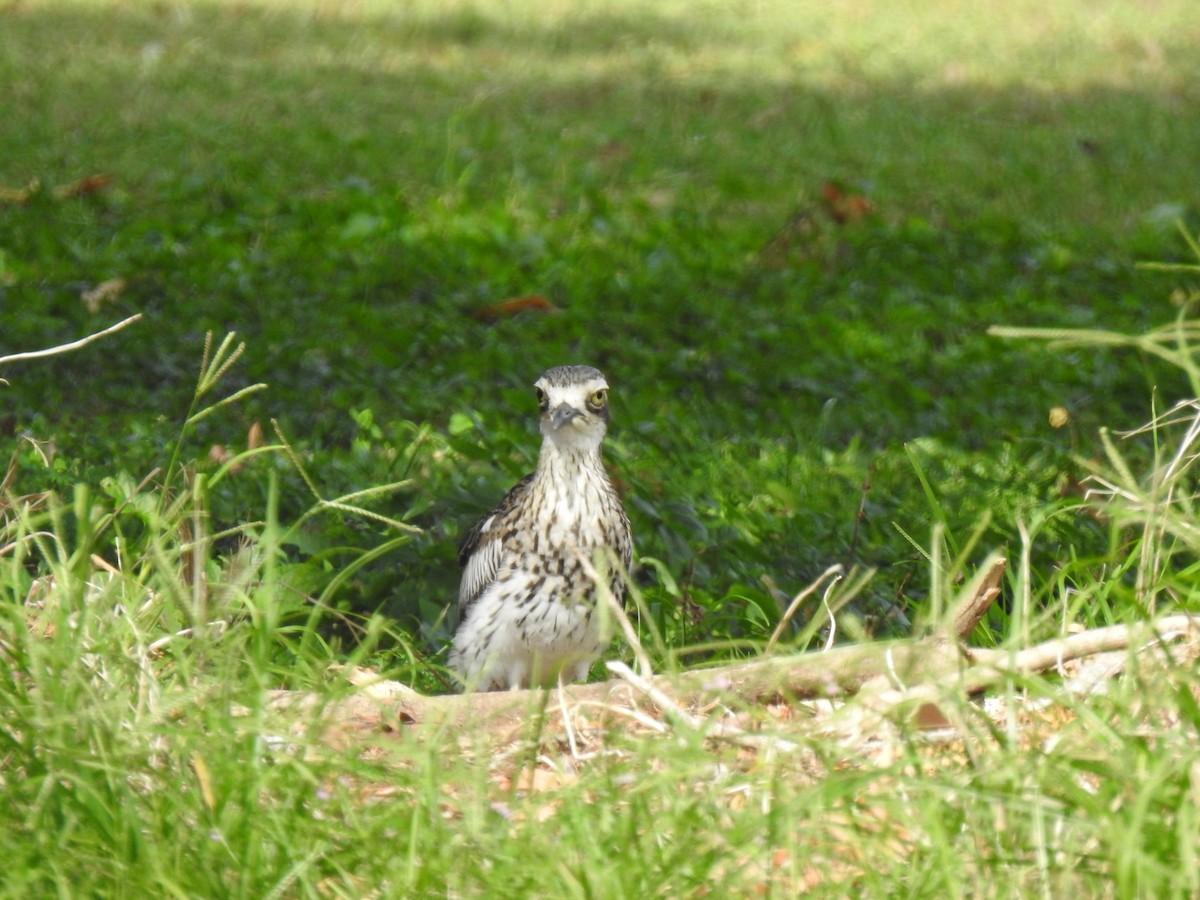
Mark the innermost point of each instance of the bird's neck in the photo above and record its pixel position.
(568, 464)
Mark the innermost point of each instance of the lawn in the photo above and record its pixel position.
(782, 230)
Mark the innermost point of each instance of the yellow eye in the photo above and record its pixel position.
(598, 399)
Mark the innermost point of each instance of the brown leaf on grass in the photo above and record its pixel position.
(807, 235)
(537, 780)
(531, 781)
(220, 454)
(505, 308)
(105, 292)
(929, 716)
(843, 207)
(20, 195)
(374, 792)
(812, 877)
(546, 811)
(84, 186)
(254, 437)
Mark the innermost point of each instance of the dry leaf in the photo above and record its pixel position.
(505, 308)
(536, 781)
(105, 292)
(22, 194)
(930, 716)
(254, 437)
(89, 185)
(843, 207)
(545, 812)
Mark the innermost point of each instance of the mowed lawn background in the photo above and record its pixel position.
(359, 189)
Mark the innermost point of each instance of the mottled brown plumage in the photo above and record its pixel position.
(527, 608)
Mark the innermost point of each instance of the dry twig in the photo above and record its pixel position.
(834, 571)
(901, 671)
(74, 345)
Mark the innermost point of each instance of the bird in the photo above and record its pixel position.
(527, 598)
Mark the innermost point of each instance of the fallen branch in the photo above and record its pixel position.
(899, 671)
(987, 666)
(1052, 654)
(831, 673)
(910, 667)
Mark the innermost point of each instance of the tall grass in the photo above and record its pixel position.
(137, 648)
(141, 753)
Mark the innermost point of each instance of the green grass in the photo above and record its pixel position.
(346, 186)
(346, 189)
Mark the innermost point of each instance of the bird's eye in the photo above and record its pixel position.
(541, 397)
(598, 399)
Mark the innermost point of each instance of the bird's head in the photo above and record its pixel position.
(574, 405)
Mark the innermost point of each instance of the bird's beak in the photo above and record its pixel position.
(563, 414)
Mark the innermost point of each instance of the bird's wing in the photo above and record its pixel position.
(480, 552)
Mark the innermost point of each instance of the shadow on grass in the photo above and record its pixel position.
(273, 169)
